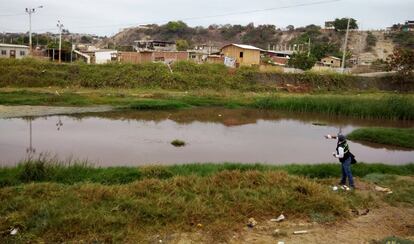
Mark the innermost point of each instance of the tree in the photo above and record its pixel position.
(341, 24)
(402, 60)
(321, 50)
(182, 45)
(290, 27)
(302, 61)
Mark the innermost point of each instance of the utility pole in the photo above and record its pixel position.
(345, 46)
(60, 26)
(309, 47)
(30, 11)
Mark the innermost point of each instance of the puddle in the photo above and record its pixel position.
(134, 138)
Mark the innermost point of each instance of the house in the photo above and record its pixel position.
(243, 55)
(329, 25)
(154, 45)
(13, 51)
(152, 56)
(99, 56)
(200, 53)
(331, 61)
(278, 57)
(408, 26)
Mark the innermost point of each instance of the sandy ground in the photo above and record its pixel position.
(379, 223)
(22, 111)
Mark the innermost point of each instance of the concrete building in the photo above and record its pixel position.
(101, 56)
(153, 45)
(147, 56)
(242, 54)
(13, 51)
(278, 57)
(331, 61)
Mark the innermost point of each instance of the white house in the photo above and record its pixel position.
(13, 51)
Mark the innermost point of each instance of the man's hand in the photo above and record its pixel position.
(334, 154)
(328, 136)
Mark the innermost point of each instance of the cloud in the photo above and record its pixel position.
(106, 17)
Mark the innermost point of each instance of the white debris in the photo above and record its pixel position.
(299, 232)
(334, 188)
(383, 189)
(14, 231)
(279, 219)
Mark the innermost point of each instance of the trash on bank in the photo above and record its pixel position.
(383, 189)
(14, 231)
(300, 232)
(279, 219)
(251, 223)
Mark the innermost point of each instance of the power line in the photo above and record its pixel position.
(204, 17)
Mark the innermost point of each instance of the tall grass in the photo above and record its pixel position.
(389, 107)
(137, 211)
(185, 76)
(52, 170)
(386, 136)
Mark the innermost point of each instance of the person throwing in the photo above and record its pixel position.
(344, 156)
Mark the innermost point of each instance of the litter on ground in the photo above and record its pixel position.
(383, 189)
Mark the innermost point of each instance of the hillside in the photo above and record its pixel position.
(324, 42)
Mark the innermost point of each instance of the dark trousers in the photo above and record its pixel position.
(346, 173)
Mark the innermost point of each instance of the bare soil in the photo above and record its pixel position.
(29, 111)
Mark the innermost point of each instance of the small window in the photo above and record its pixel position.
(332, 62)
(22, 53)
(3, 52)
(241, 54)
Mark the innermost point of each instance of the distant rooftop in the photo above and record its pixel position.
(243, 46)
(13, 45)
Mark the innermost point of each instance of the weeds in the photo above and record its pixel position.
(178, 143)
(52, 170)
(185, 76)
(392, 107)
(221, 202)
(387, 136)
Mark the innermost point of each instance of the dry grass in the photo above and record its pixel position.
(138, 211)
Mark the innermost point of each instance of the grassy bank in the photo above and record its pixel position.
(387, 136)
(46, 170)
(75, 203)
(138, 211)
(378, 106)
(185, 76)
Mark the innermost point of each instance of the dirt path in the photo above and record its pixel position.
(21, 111)
(376, 225)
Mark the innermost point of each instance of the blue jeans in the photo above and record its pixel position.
(346, 173)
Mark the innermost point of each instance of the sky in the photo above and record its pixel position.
(108, 17)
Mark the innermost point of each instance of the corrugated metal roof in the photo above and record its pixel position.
(243, 46)
(13, 45)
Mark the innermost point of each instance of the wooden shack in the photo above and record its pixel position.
(244, 55)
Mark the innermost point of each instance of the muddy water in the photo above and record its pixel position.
(212, 135)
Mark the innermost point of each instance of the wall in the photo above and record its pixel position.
(146, 57)
(250, 57)
(103, 57)
(17, 49)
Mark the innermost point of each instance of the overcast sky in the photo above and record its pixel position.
(107, 17)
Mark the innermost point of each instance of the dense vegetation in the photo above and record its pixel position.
(52, 170)
(185, 75)
(387, 136)
(50, 202)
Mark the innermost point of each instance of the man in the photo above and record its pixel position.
(344, 156)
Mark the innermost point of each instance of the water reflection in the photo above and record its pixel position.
(212, 135)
